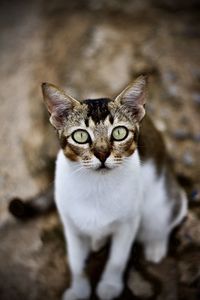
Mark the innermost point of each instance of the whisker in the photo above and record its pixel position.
(87, 165)
(78, 169)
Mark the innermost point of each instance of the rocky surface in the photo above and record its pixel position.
(94, 48)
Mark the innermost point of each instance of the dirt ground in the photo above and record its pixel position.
(93, 49)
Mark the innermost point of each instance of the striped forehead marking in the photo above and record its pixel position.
(97, 109)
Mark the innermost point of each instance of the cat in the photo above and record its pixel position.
(113, 180)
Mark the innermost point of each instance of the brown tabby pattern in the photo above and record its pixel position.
(97, 117)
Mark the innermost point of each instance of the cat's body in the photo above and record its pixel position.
(96, 203)
(117, 196)
(113, 180)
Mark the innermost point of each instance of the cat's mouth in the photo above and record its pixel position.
(103, 168)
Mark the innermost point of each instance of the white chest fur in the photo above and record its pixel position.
(93, 201)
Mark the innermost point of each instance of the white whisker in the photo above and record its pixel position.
(78, 169)
(87, 165)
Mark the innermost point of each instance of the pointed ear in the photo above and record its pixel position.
(133, 98)
(58, 104)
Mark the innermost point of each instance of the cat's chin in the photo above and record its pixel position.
(103, 169)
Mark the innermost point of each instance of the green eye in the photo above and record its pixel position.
(119, 133)
(80, 136)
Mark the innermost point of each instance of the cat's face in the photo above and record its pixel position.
(99, 137)
(99, 133)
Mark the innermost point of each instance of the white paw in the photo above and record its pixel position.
(108, 291)
(79, 290)
(155, 252)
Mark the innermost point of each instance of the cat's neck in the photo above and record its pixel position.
(89, 196)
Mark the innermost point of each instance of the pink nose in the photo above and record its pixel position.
(101, 155)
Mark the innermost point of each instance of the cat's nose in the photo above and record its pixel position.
(101, 155)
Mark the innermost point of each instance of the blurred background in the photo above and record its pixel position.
(94, 48)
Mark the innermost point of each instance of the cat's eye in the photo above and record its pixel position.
(119, 133)
(81, 136)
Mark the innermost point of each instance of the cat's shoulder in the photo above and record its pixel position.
(151, 144)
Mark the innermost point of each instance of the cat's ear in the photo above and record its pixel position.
(133, 98)
(58, 104)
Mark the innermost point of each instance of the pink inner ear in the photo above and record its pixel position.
(58, 104)
(135, 96)
(59, 115)
(142, 97)
(134, 100)
(54, 104)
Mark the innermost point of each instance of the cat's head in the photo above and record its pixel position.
(98, 133)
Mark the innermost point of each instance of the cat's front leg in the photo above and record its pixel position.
(111, 284)
(77, 250)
